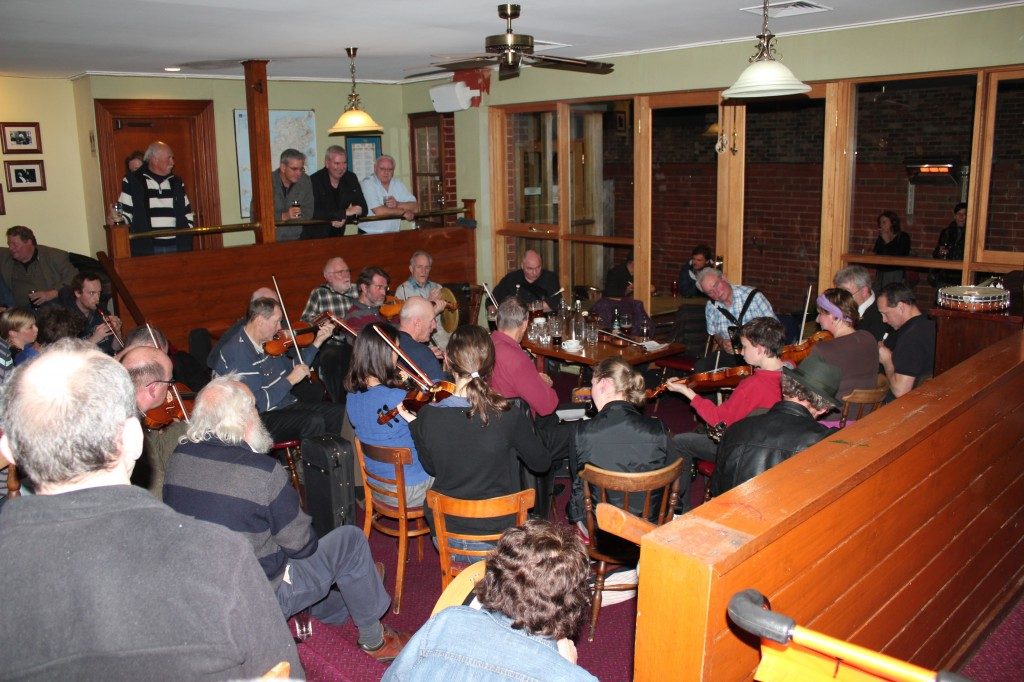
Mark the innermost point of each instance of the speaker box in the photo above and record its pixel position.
(452, 97)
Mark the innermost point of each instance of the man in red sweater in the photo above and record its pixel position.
(762, 339)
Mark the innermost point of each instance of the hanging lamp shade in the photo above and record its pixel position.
(766, 76)
(354, 121)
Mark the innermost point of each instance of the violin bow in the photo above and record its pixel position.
(336, 321)
(807, 306)
(106, 321)
(490, 295)
(419, 376)
(172, 388)
(284, 313)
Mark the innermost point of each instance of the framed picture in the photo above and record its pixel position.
(25, 176)
(362, 153)
(21, 138)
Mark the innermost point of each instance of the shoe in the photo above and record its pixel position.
(379, 565)
(394, 641)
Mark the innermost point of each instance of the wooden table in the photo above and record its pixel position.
(591, 355)
(663, 304)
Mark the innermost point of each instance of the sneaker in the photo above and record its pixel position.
(394, 641)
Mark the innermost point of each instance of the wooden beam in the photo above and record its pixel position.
(731, 190)
(642, 199)
(837, 179)
(258, 110)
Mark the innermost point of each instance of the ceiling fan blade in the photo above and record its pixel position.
(545, 61)
(476, 62)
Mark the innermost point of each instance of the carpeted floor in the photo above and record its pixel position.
(1001, 657)
(331, 653)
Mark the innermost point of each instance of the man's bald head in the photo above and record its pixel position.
(417, 318)
(531, 265)
(65, 414)
(146, 364)
(263, 292)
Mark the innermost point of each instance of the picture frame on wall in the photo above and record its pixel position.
(362, 153)
(21, 138)
(3, 209)
(25, 176)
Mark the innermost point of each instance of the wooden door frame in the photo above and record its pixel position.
(205, 196)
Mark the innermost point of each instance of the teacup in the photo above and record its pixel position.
(572, 346)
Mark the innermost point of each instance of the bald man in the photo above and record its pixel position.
(140, 582)
(151, 372)
(214, 354)
(415, 325)
(153, 198)
(530, 283)
(336, 295)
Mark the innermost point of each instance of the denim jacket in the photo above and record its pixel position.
(462, 644)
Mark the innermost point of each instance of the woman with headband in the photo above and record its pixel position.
(854, 352)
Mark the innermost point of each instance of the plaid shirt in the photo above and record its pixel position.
(325, 298)
(718, 324)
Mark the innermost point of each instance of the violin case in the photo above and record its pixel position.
(327, 467)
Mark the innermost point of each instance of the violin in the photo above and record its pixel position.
(727, 377)
(391, 306)
(170, 411)
(582, 394)
(282, 341)
(797, 352)
(416, 398)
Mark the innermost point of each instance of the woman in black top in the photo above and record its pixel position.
(891, 241)
(619, 437)
(472, 442)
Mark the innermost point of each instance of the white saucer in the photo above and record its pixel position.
(571, 347)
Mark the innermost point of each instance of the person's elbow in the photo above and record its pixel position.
(901, 384)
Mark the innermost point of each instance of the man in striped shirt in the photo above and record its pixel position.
(153, 198)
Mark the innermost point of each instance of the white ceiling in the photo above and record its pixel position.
(307, 38)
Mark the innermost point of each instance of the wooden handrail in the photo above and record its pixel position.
(903, 261)
(121, 292)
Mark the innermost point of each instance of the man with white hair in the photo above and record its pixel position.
(416, 324)
(336, 295)
(386, 196)
(729, 307)
(221, 474)
(139, 583)
(856, 280)
(153, 198)
(419, 284)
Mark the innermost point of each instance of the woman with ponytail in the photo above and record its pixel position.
(619, 437)
(471, 443)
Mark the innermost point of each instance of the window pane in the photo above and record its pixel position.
(601, 183)
(782, 211)
(902, 127)
(590, 265)
(429, 192)
(533, 169)
(684, 188)
(428, 149)
(1005, 230)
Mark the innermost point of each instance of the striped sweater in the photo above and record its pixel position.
(244, 491)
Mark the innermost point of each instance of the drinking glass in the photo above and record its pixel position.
(644, 331)
(626, 323)
(590, 333)
(555, 331)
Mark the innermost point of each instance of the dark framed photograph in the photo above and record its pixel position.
(21, 138)
(25, 176)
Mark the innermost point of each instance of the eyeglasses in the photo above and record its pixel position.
(169, 382)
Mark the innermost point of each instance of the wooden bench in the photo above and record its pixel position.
(211, 288)
(903, 533)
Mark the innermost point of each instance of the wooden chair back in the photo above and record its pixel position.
(597, 483)
(443, 506)
(408, 522)
(459, 589)
(863, 401)
(281, 671)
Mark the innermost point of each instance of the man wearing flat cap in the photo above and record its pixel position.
(759, 442)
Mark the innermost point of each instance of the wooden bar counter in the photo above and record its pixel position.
(902, 533)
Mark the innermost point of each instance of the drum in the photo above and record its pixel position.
(974, 299)
(450, 315)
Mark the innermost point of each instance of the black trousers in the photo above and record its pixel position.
(304, 420)
(332, 363)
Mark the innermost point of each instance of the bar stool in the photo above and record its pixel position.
(288, 451)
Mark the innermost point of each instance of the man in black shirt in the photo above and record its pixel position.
(912, 358)
(530, 283)
(337, 196)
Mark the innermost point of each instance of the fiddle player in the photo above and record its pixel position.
(419, 284)
(151, 370)
(373, 289)
(761, 339)
(83, 299)
(336, 295)
(211, 359)
(730, 305)
(416, 324)
(288, 412)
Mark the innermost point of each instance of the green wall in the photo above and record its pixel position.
(70, 212)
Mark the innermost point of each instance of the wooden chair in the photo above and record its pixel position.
(13, 482)
(290, 451)
(864, 401)
(281, 671)
(459, 589)
(443, 506)
(607, 550)
(395, 509)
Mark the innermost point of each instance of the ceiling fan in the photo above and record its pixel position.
(511, 50)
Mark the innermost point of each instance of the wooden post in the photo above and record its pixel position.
(118, 245)
(258, 109)
(470, 206)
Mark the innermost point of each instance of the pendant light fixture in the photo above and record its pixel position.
(355, 121)
(766, 77)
